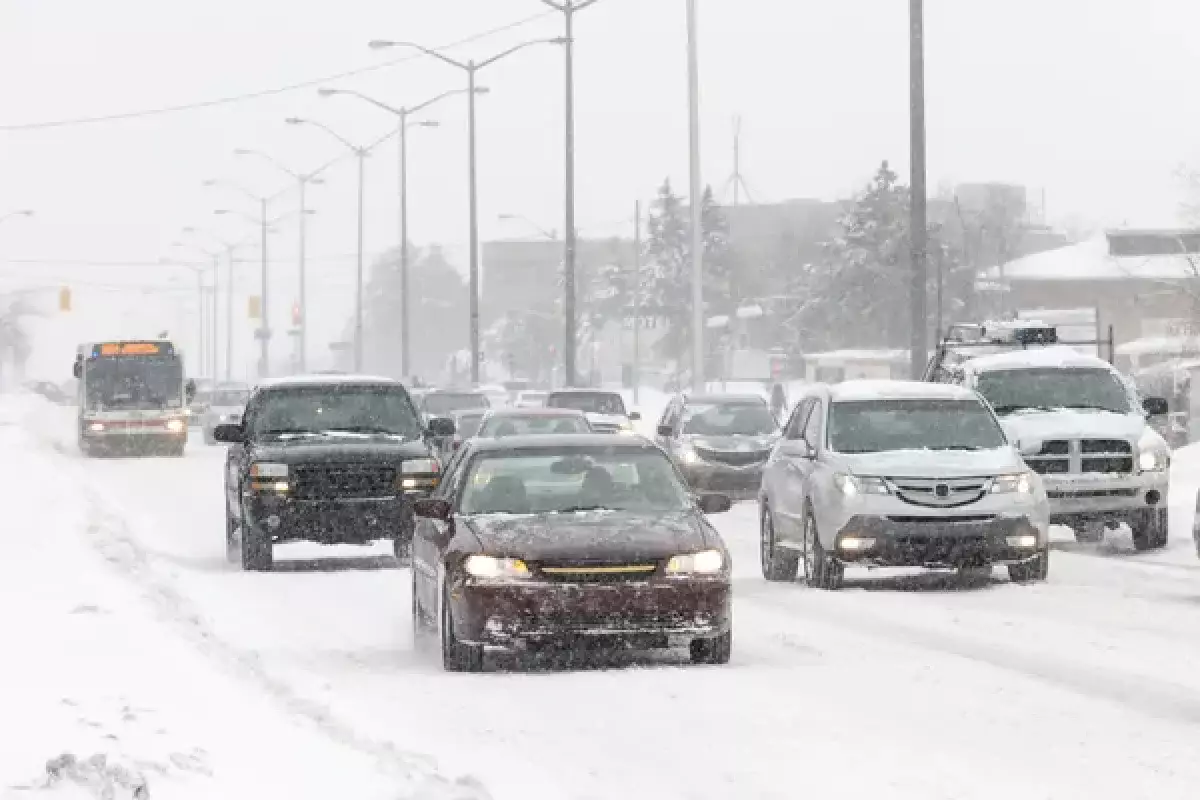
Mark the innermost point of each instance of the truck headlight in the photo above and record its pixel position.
(491, 567)
(706, 562)
(1153, 459)
(267, 469)
(419, 466)
(1018, 483)
(854, 485)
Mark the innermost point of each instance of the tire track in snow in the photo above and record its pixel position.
(109, 534)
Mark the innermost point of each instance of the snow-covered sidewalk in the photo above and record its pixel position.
(108, 692)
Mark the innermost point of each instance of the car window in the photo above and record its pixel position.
(516, 425)
(573, 479)
(812, 427)
(592, 402)
(343, 408)
(729, 419)
(873, 426)
(795, 426)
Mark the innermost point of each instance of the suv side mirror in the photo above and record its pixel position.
(634, 416)
(229, 434)
(441, 426)
(432, 508)
(1155, 406)
(666, 431)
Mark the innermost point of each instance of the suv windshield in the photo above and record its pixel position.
(729, 419)
(573, 479)
(517, 425)
(872, 426)
(1054, 387)
(438, 404)
(229, 398)
(588, 402)
(350, 408)
(134, 383)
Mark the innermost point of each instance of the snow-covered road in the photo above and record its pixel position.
(1085, 687)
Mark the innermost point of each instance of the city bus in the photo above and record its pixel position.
(133, 398)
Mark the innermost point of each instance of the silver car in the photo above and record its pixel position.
(899, 474)
(224, 407)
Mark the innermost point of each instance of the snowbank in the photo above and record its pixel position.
(111, 688)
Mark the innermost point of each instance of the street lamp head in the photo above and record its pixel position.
(295, 121)
(210, 182)
(558, 40)
(327, 92)
(220, 211)
(26, 212)
(428, 123)
(482, 90)
(241, 151)
(380, 44)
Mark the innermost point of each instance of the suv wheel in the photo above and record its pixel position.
(457, 656)
(1036, 569)
(1149, 528)
(777, 564)
(232, 551)
(821, 571)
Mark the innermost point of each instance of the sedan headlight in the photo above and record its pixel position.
(267, 469)
(1153, 459)
(687, 454)
(491, 567)
(1018, 483)
(854, 485)
(706, 562)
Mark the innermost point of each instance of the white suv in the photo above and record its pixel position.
(1083, 428)
(898, 474)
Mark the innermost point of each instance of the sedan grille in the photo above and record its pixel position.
(734, 458)
(595, 573)
(342, 481)
(1073, 456)
(932, 493)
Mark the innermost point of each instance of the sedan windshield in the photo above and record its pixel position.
(872, 426)
(438, 404)
(729, 419)
(590, 402)
(573, 479)
(1012, 390)
(517, 425)
(334, 408)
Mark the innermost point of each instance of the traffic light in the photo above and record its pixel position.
(64, 299)
(296, 317)
(254, 307)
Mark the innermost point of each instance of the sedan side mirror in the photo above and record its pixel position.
(432, 508)
(441, 426)
(714, 503)
(229, 434)
(634, 416)
(1155, 406)
(666, 430)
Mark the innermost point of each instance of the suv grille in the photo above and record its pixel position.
(734, 458)
(1068, 456)
(947, 493)
(342, 481)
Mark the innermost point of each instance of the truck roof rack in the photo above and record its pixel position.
(1003, 335)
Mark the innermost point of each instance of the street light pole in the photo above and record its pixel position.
(229, 316)
(917, 234)
(358, 290)
(264, 356)
(302, 333)
(697, 200)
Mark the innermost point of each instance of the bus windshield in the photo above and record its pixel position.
(129, 383)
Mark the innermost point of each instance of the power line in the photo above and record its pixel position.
(257, 95)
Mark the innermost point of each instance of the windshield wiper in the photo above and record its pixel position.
(958, 447)
(1096, 408)
(578, 509)
(364, 429)
(1011, 408)
(287, 432)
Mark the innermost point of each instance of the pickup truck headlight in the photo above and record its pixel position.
(267, 469)
(1153, 459)
(1018, 483)
(854, 485)
(706, 562)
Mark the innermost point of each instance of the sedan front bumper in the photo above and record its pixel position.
(511, 614)
(940, 543)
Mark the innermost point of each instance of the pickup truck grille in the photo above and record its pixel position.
(342, 481)
(1074, 456)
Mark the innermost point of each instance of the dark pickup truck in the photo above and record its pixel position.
(328, 459)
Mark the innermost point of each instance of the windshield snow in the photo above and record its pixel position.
(1012, 390)
(878, 425)
(729, 419)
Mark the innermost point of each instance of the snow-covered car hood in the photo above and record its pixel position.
(732, 444)
(599, 535)
(607, 420)
(217, 412)
(932, 463)
(1031, 428)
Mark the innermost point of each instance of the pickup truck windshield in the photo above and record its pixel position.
(1049, 388)
(874, 426)
(321, 409)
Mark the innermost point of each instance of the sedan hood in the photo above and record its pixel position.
(933, 463)
(363, 448)
(605, 536)
(1034, 427)
(733, 444)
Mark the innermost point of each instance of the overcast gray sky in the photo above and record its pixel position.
(1090, 101)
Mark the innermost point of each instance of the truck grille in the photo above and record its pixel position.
(342, 481)
(1073, 456)
(733, 458)
(947, 493)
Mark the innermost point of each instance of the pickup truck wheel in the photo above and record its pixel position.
(777, 564)
(456, 656)
(256, 550)
(232, 549)
(1036, 569)
(1149, 529)
(712, 651)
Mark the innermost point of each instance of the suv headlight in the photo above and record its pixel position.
(1153, 459)
(1017, 483)
(491, 567)
(267, 469)
(706, 562)
(687, 454)
(854, 485)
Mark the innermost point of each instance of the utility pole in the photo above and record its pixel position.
(637, 299)
(302, 334)
(216, 315)
(697, 200)
(264, 364)
(358, 280)
(917, 231)
(229, 317)
(473, 201)
(405, 302)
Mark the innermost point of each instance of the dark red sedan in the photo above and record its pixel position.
(533, 540)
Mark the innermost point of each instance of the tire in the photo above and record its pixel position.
(233, 553)
(1149, 529)
(403, 550)
(1035, 570)
(420, 629)
(456, 656)
(974, 575)
(256, 551)
(777, 564)
(820, 570)
(712, 651)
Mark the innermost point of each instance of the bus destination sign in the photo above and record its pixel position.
(144, 348)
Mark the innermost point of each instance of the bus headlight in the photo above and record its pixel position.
(176, 426)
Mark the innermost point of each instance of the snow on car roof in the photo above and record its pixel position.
(1034, 358)
(857, 390)
(325, 380)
